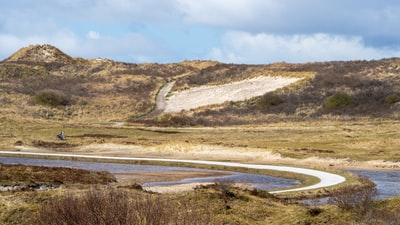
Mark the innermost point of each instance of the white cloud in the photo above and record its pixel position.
(365, 18)
(266, 30)
(244, 47)
(227, 13)
(93, 35)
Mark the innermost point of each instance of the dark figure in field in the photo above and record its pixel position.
(61, 135)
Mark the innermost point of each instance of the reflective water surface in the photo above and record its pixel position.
(261, 182)
(387, 181)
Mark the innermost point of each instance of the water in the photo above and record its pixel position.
(387, 181)
(96, 166)
(257, 181)
(387, 184)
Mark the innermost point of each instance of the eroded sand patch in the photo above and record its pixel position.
(236, 91)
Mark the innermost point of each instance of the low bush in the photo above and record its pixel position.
(357, 198)
(338, 100)
(116, 207)
(268, 100)
(51, 97)
(392, 99)
(225, 186)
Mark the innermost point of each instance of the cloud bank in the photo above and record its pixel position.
(240, 31)
(244, 47)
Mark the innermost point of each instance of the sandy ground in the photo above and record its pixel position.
(217, 153)
(236, 91)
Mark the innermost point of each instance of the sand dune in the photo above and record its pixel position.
(236, 91)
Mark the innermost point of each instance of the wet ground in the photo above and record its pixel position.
(261, 182)
(387, 181)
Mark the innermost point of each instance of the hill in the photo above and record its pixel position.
(42, 82)
(342, 90)
(39, 53)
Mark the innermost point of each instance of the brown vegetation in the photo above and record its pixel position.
(100, 89)
(28, 175)
(219, 203)
(340, 90)
(361, 202)
(65, 88)
(117, 207)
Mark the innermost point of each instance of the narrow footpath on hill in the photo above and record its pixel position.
(161, 102)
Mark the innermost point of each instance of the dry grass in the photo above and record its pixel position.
(205, 204)
(29, 175)
(297, 131)
(363, 141)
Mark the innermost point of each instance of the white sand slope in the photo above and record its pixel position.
(237, 91)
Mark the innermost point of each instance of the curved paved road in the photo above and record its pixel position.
(326, 179)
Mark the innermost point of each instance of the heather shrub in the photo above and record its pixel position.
(51, 97)
(338, 100)
(357, 198)
(392, 99)
(116, 207)
(268, 100)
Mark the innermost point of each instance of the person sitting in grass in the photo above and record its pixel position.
(61, 135)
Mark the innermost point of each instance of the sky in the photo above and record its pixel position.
(230, 31)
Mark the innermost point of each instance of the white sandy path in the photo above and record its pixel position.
(326, 179)
(237, 91)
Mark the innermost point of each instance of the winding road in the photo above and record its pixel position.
(326, 179)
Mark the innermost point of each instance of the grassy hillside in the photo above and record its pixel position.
(41, 82)
(331, 90)
(57, 87)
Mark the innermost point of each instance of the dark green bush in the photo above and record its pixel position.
(392, 99)
(338, 100)
(51, 97)
(268, 100)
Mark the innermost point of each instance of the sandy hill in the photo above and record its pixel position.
(40, 53)
(42, 82)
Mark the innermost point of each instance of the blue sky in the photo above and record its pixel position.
(231, 31)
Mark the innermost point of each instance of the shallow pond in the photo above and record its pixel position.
(261, 182)
(387, 181)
